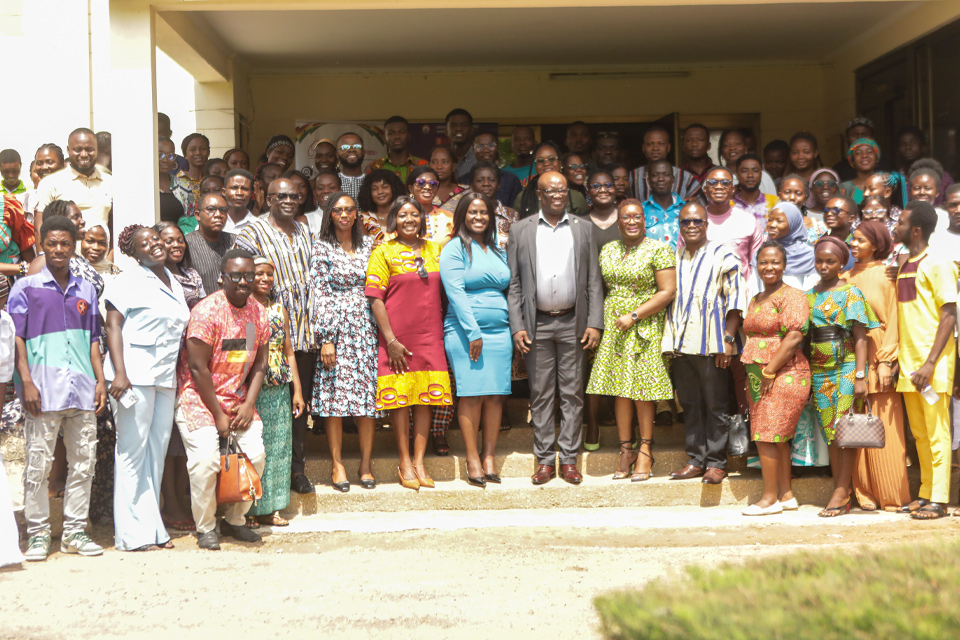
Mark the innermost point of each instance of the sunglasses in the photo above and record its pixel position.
(712, 182)
(292, 197)
(874, 212)
(834, 210)
(602, 186)
(168, 156)
(696, 222)
(820, 184)
(423, 182)
(545, 160)
(348, 147)
(490, 146)
(338, 210)
(235, 278)
(577, 167)
(421, 269)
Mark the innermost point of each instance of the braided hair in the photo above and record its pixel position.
(125, 239)
(57, 208)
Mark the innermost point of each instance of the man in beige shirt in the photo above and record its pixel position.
(81, 181)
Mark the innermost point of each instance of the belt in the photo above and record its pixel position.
(829, 333)
(556, 314)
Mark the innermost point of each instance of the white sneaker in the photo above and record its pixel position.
(754, 510)
(38, 548)
(790, 505)
(80, 543)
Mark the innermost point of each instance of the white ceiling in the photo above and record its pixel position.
(594, 37)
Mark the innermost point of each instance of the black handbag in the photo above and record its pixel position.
(738, 434)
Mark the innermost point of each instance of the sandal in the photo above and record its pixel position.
(833, 512)
(166, 545)
(626, 447)
(440, 446)
(929, 511)
(914, 506)
(252, 523)
(640, 477)
(274, 520)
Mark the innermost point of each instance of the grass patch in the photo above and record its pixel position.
(901, 591)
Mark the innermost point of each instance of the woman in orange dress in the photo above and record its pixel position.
(880, 479)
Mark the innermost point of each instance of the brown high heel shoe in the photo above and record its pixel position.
(408, 484)
(424, 480)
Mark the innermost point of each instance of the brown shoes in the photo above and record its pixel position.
(569, 473)
(714, 475)
(687, 472)
(545, 473)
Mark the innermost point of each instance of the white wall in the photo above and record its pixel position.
(175, 97)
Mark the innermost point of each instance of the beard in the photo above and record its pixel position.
(351, 165)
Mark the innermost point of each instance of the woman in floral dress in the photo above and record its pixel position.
(345, 383)
(274, 405)
(641, 280)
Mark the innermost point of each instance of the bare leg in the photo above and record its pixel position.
(334, 428)
(834, 462)
(469, 414)
(785, 490)
(421, 431)
(400, 419)
(366, 427)
(492, 417)
(592, 434)
(846, 463)
(770, 469)
(645, 412)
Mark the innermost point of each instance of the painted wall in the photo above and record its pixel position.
(524, 96)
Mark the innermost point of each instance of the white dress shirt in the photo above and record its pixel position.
(234, 227)
(556, 273)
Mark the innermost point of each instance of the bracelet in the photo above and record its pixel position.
(768, 376)
(23, 268)
(391, 342)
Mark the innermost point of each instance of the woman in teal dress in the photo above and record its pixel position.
(839, 320)
(274, 405)
(641, 280)
(476, 330)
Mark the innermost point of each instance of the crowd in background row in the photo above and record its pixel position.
(264, 297)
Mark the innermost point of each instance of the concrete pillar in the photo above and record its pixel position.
(133, 119)
(215, 115)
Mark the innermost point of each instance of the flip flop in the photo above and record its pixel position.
(930, 511)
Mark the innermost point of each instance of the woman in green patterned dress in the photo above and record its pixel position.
(641, 279)
(839, 320)
(274, 406)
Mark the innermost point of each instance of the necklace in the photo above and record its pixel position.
(413, 246)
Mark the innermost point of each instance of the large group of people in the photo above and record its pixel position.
(767, 286)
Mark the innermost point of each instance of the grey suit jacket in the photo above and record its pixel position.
(522, 257)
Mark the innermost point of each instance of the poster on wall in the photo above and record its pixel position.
(311, 132)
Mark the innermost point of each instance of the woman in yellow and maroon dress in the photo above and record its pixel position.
(403, 285)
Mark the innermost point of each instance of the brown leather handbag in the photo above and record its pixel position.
(237, 481)
(860, 431)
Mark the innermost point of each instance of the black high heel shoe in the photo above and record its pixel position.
(477, 482)
(492, 477)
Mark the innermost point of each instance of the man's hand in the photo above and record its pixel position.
(100, 393)
(590, 339)
(222, 422)
(31, 398)
(119, 386)
(298, 404)
(724, 359)
(521, 342)
(921, 377)
(242, 419)
(476, 346)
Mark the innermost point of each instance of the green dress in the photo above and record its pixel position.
(833, 364)
(630, 364)
(275, 409)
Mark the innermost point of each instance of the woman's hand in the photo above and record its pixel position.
(476, 346)
(624, 322)
(298, 404)
(766, 386)
(119, 386)
(328, 355)
(885, 374)
(397, 353)
(859, 389)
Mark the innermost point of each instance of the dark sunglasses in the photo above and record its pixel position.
(421, 269)
(712, 182)
(168, 156)
(293, 197)
(423, 182)
(577, 167)
(820, 184)
(834, 210)
(235, 278)
(697, 222)
(601, 186)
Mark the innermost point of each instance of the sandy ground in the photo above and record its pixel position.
(467, 579)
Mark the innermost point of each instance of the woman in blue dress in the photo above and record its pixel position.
(476, 329)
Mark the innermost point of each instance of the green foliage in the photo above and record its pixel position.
(908, 591)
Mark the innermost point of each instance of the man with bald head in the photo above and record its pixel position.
(702, 341)
(81, 181)
(283, 241)
(556, 313)
(209, 242)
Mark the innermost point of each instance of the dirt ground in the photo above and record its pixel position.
(468, 583)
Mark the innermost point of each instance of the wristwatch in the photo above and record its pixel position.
(860, 375)
(729, 339)
(634, 315)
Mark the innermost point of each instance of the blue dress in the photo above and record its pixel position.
(477, 294)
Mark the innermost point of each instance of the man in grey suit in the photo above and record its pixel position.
(556, 314)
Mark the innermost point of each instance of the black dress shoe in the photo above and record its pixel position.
(368, 484)
(242, 533)
(301, 485)
(342, 487)
(492, 477)
(209, 540)
(477, 482)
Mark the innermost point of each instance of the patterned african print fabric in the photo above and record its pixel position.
(630, 364)
(413, 306)
(832, 364)
(278, 369)
(273, 405)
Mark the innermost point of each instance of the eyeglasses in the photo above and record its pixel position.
(235, 278)
(292, 197)
(551, 193)
(697, 222)
(421, 269)
(874, 212)
(833, 210)
(602, 186)
(712, 182)
(550, 159)
(168, 156)
(211, 209)
(489, 146)
(348, 147)
(338, 210)
(577, 167)
(423, 182)
(820, 184)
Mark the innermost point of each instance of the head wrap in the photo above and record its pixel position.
(859, 143)
(259, 260)
(834, 246)
(104, 265)
(320, 142)
(278, 141)
(879, 236)
(800, 259)
(864, 122)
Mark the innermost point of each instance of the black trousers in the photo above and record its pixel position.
(702, 388)
(306, 364)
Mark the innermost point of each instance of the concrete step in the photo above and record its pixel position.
(519, 493)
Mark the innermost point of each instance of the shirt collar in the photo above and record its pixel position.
(565, 218)
(76, 175)
(20, 188)
(46, 277)
(651, 201)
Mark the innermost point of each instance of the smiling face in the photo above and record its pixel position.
(459, 129)
(601, 189)
(828, 265)
(443, 164)
(94, 245)
(861, 248)
(76, 217)
(837, 215)
(874, 209)
(82, 150)
(770, 265)
(350, 151)
(408, 223)
(749, 173)
(485, 181)
(303, 188)
(198, 152)
(242, 270)
(803, 154)
(824, 188)
(176, 245)
(10, 172)
(281, 155)
(46, 162)
(793, 191)
(864, 159)
(777, 225)
(344, 214)
(924, 187)
(660, 175)
(719, 186)
(325, 157)
(733, 147)
(381, 193)
(323, 187)
(485, 147)
(284, 199)
(265, 278)
(552, 191)
(477, 219)
(693, 224)
(424, 188)
(575, 170)
(168, 156)
(148, 248)
(632, 223)
(546, 159)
